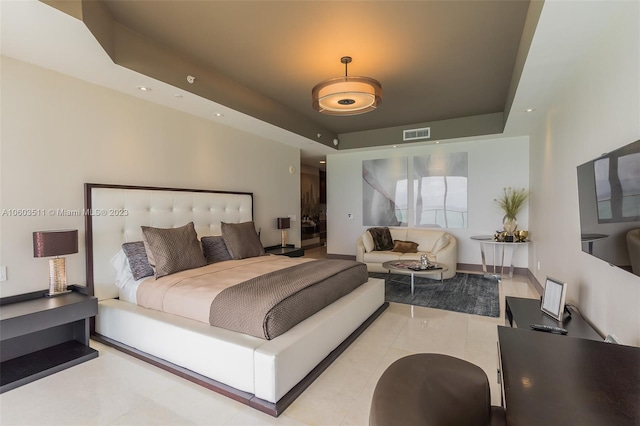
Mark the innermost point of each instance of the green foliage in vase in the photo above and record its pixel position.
(512, 200)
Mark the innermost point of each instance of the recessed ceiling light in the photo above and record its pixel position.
(323, 162)
(144, 88)
(218, 114)
(395, 146)
(529, 110)
(437, 142)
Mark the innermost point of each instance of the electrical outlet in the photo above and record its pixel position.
(292, 217)
(538, 265)
(3, 273)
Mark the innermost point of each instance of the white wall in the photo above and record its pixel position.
(493, 164)
(595, 110)
(59, 132)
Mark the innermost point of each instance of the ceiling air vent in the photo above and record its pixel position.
(414, 134)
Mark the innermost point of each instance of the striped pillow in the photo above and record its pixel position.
(215, 250)
(138, 260)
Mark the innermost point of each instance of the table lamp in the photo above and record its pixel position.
(284, 223)
(56, 243)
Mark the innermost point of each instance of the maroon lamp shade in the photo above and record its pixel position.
(284, 223)
(55, 243)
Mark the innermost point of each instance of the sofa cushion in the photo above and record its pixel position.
(367, 241)
(405, 246)
(425, 237)
(399, 234)
(381, 238)
(381, 256)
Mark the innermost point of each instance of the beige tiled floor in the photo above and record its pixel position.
(116, 389)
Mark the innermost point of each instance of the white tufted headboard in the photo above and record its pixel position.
(114, 214)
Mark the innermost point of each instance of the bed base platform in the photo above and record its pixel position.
(245, 397)
(267, 375)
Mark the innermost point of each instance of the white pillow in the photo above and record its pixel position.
(129, 293)
(441, 243)
(367, 240)
(124, 275)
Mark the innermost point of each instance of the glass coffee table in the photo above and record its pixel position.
(411, 267)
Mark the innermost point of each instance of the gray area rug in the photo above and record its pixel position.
(468, 293)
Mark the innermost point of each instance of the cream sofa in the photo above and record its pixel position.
(426, 238)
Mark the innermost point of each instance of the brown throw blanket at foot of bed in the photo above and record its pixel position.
(269, 305)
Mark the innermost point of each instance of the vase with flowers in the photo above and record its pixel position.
(511, 203)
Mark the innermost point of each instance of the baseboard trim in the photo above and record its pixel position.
(311, 246)
(535, 282)
(340, 256)
(478, 268)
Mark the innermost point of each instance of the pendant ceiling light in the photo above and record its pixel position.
(347, 95)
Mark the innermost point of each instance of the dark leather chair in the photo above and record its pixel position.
(433, 390)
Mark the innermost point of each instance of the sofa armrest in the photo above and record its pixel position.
(449, 254)
(360, 250)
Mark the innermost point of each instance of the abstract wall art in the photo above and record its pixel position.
(384, 192)
(440, 190)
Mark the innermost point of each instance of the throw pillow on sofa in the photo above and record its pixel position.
(405, 246)
(367, 241)
(381, 238)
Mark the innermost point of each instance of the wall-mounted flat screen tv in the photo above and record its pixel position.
(609, 201)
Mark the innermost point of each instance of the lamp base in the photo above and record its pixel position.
(284, 238)
(57, 277)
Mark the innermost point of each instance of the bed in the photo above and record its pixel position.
(266, 373)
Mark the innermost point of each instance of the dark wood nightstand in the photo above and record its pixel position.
(43, 335)
(290, 250)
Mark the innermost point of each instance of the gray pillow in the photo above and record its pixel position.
(215, 250)
(173, 250)
(138, 260)
(242, 240)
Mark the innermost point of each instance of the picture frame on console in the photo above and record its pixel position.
(553, 299)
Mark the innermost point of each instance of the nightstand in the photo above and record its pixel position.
(290, 250)
(43, 335)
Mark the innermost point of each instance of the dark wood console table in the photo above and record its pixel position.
(521, 312)
(41, 335)
(551, 379)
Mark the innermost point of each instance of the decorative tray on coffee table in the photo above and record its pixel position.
(416, 266)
